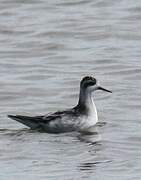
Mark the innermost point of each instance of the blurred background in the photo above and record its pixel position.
(46, 47)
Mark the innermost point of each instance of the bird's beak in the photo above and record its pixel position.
(101, 88)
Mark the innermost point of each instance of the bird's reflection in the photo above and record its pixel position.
(94, 137)
(88, 166)
(94, 141)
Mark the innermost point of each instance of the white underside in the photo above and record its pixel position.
(83, 123)
(88, 122)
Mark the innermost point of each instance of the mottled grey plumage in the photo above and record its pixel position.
(81, 118)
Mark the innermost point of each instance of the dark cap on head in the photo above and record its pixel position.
(88, 81)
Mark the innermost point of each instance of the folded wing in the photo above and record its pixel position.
(35, 122)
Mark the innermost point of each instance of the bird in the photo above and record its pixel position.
(81, 118)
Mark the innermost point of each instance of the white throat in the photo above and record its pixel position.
(86, 99)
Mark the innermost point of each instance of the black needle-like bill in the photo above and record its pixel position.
(103, 89)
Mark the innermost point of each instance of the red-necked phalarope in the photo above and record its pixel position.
(81, 118)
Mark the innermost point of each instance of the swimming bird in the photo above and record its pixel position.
(81, 118)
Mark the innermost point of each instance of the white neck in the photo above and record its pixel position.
(86, 100)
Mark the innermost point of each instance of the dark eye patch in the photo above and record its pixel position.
(87, 78)
(89, 83)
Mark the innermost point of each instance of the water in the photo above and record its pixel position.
(46, 47)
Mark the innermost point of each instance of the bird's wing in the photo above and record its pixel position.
(58, 115)
(35, 121)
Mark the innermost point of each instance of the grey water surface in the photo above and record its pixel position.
(46, 47)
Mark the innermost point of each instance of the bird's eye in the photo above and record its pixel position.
(89, 83)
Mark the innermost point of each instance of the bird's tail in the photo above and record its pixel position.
(26, 120)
